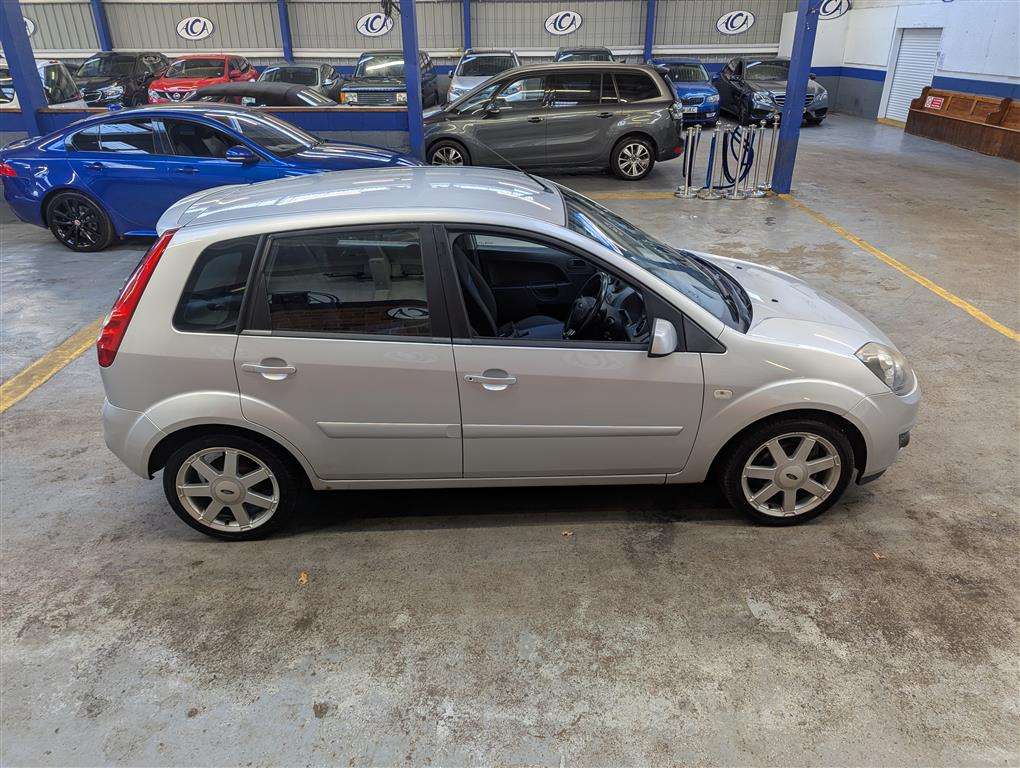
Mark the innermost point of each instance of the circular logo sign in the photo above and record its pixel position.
(735, 22)
(563, 23)
(408, 313)
(29, 26)
(194, 28)
(833, 9)
(374, 24)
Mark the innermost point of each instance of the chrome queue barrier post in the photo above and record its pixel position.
(755, 189)
(692, 141)
(770, 165)
(736, 193)
(715, 156)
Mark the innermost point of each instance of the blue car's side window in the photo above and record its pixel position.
(85, 140)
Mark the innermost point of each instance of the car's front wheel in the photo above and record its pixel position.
(78, 222)
(230, 487)
(448, 153)
(788, 470)
(632, 158)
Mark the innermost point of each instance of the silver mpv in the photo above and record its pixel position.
(434, 327)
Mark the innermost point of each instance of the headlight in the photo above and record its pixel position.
(889, 365)
(401, 97)
(112, 91)
(712, 99)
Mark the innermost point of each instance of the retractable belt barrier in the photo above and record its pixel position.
(739, 165)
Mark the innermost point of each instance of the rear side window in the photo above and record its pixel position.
(574, 89)
(368, 282)
(211, 301)
(635, 86)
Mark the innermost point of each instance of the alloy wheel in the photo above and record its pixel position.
(791, 474)
(227, 489)
(634, 159)
(447, 156)
(77, 222)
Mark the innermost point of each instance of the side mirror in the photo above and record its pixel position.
(664, 338)
(241, 154)
(234, 74)
(493, 109)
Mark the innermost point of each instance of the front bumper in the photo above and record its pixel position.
(130, 436)
(885, 421)
(765, 113)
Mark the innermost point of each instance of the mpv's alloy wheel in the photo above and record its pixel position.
(229, 487)
(632, 159)
(788, 471)
(448, 153)
(78, 223)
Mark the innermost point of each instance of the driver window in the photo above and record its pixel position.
(517, 288)
(523, 93)
(363, 282)
(190, 139)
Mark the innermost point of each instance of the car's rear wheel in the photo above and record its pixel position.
(632, 158)
(788, 470)
(78, 222)
(230, 487)
(448, 153)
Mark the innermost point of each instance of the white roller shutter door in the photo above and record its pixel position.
(915, 68)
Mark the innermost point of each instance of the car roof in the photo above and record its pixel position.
(298, 65)
(406, 191)
(599, 48)
(488, 51)
(210, 55)
(150, 110)
(252, 86)
(574, 66)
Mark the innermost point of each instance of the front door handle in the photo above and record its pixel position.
(605, 114)
(270, 372)
(493, 380)
(534, 119)
(185, 169)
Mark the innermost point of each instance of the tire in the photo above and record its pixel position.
(280, 486)
(78, 222)
(830, 454)
(814, 120)
(632, 158)
(448, 150)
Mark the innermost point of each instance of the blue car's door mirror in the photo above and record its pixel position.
(241, 154)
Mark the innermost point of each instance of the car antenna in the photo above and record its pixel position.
(516, 167)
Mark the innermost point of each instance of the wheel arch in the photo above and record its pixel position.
(636, 134)
(44, 204)
(451, 140)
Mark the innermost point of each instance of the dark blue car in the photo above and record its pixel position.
(113, 175)
(698, 98)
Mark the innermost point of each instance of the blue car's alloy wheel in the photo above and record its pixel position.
(78, 223)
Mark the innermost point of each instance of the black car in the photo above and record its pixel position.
(119, 78)
(751, 89)
(590, 53)
(379, 80)
(318, 76)
(260, 94)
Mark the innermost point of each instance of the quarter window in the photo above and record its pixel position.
(574, 89)
(211, 301)
(353, 282)
(86, 140)
(635, 86)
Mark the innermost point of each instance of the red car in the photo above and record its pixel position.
(194, 71)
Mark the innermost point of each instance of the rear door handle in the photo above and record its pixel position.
(270, 372)
(494, 383)
(534, 119)
(605, 114)
(97, 166)
(185, 169)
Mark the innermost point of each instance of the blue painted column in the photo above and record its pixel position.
(102, 26)
(796, 92)
(649, 30)
(21, 62)
(288, 47)
(409, 37)
(467, 23)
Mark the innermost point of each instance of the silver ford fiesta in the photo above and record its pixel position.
(434, 327)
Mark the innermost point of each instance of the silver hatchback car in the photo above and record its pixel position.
(433, 327)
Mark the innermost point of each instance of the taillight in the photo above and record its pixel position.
(116, 323)
(6, 169)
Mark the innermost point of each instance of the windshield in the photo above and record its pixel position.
(585, 56)
(767, 70)
(691, 276)
(296, 75)
(314, 98)
(268, 132)
(485, 66)
(380, 66)
(195, 68)
(687, 73)
(6, 86)
(107, 66)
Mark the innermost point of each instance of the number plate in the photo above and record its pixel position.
(690, 110)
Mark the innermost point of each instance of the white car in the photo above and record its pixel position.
(445, 327)
(58, 84)
(476, 66)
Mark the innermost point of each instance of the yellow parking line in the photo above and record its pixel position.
(26, 381)
(630, 195)
(899, 266)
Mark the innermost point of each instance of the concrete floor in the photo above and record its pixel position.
(465, 627)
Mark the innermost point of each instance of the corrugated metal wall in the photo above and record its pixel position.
(247, 26)
(521, 23)
(692, 22)
(328, 25)
(61, 26)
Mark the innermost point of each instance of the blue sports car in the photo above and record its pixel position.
(113, 175)
(698, 98)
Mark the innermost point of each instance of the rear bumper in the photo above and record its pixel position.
(25, 207)
(130, 436)
(886, 421)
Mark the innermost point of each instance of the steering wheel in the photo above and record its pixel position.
(589, 304)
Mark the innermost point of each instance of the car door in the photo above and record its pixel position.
(724, 84)
(577, 123)
(199, 160)
(125, 165)
(566, 408)
(513, 128)
(348, 353)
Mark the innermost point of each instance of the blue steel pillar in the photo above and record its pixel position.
(409, 36)
(102, 26)
(288, 47)
(649, 30)
(796, 93)
(21, 62)
(467, 24)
